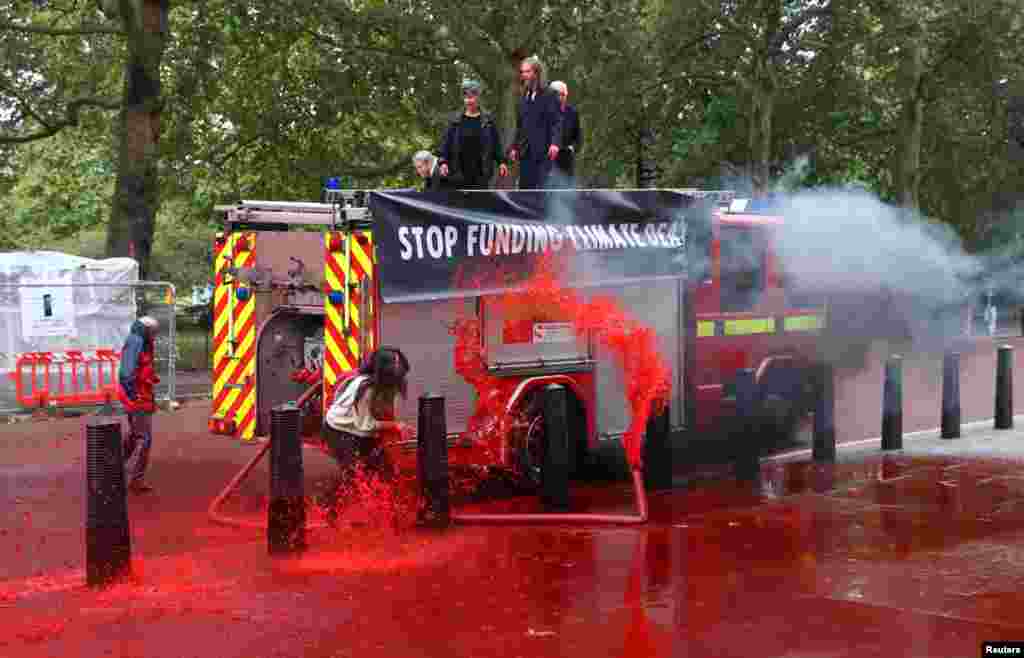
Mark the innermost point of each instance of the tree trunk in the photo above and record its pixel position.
(908, 167)
(509, 108)
(509, 99)
(646, 168)
(761, 129)
(763, 89)
(1015, 121)
(136, 191)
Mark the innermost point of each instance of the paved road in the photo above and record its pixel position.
(915, 553)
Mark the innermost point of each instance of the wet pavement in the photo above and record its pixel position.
(914, 553)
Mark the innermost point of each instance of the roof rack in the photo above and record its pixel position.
(342, 207)
(295, 213)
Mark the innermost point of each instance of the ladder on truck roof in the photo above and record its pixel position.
(295, 213)
(349, 206)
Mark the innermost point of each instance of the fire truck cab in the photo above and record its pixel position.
(750, 314)
(298, 301)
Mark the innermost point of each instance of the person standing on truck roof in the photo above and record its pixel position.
(572, 136)
(472, 144)
(360, 418)
(538, 127)
(136, 377)
(425, 163)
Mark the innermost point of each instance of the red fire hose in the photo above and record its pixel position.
(213, 513)
(618, 519)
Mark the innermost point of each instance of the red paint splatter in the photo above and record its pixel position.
(372, 501)
(631, 344)
(41, 631)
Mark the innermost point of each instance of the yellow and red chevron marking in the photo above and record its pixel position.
(341, 348)
(234, 338)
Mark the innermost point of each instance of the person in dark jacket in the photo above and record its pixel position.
(136, 377)
(425, 163)
(572, 135)
(538, 127)
(472, 144)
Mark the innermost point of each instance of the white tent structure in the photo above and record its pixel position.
(48, 305)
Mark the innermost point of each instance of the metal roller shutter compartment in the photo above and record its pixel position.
(657, 304)
(420, 330)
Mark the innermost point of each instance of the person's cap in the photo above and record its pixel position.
(471, 87)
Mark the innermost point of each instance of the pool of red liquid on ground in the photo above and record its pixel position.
(889, 555)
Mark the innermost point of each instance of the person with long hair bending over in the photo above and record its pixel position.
(360, 418)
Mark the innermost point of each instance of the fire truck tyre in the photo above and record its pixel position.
(530, 441)
(782, 394)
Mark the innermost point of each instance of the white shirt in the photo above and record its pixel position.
(357, 418)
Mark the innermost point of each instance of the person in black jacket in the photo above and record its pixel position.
(572, 135)
(538, 127)
(472, 144)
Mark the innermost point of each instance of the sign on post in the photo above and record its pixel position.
(48, 311)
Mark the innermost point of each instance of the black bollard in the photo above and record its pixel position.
(1004, 387)
(892, 404)
(745, 443)
(432, 462)
(657, 452)
(951, 395)
(555, 470)
(108, 547)
(286, 515)
(823, 446)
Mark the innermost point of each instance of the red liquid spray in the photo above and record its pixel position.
(632, 345)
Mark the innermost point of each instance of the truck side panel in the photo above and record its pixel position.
(657, 305)
(420, 330)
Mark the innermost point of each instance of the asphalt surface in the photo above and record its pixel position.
(918, 552)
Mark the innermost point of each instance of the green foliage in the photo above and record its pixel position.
(719, 116)
(183, 250)
(263, 100)
(64, 187)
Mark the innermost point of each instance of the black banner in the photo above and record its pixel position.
(454, 244)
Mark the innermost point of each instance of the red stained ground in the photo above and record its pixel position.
(887, 556)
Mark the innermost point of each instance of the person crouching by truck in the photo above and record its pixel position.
(136, 378)
(360, 420)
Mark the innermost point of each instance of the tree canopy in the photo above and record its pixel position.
(123, 122)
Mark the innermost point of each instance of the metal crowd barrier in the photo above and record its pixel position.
(65, 375)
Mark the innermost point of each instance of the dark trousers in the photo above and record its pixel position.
(533, 174)
(566, 163)
(351, 451)
(139, 444)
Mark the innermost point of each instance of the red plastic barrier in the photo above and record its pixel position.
(35, 387)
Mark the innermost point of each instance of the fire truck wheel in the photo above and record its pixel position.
(529, 439)
(782, 393)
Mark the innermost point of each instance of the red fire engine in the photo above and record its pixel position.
(751, 315)
(298, 301)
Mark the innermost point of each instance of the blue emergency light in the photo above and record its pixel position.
(333, 183)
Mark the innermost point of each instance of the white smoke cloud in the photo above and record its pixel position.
(881, 268)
